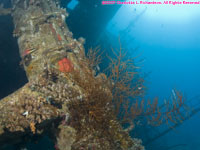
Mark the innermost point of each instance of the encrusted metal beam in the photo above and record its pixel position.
(58, 74)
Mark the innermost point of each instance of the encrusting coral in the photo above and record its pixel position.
(64, 97)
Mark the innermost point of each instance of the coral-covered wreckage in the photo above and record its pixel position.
(64, 97)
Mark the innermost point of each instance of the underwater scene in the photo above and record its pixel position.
(99, 75)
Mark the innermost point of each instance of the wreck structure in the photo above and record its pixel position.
(64, 97)
(93, 18)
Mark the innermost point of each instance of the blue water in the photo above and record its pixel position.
(169, 40)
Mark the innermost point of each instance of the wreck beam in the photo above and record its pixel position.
(58, 73)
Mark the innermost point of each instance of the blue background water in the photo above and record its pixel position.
(169, 39)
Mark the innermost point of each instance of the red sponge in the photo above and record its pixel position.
(65, 65)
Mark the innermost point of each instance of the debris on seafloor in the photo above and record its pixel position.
(63, 96)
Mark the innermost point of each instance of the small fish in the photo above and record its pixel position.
(98, 68)
(174, 94)
(28, 51)
(25, 113)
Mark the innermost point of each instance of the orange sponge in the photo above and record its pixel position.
(65, 65)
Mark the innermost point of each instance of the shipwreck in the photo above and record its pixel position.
(64, 97)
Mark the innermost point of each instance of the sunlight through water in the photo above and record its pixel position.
(169, 12)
